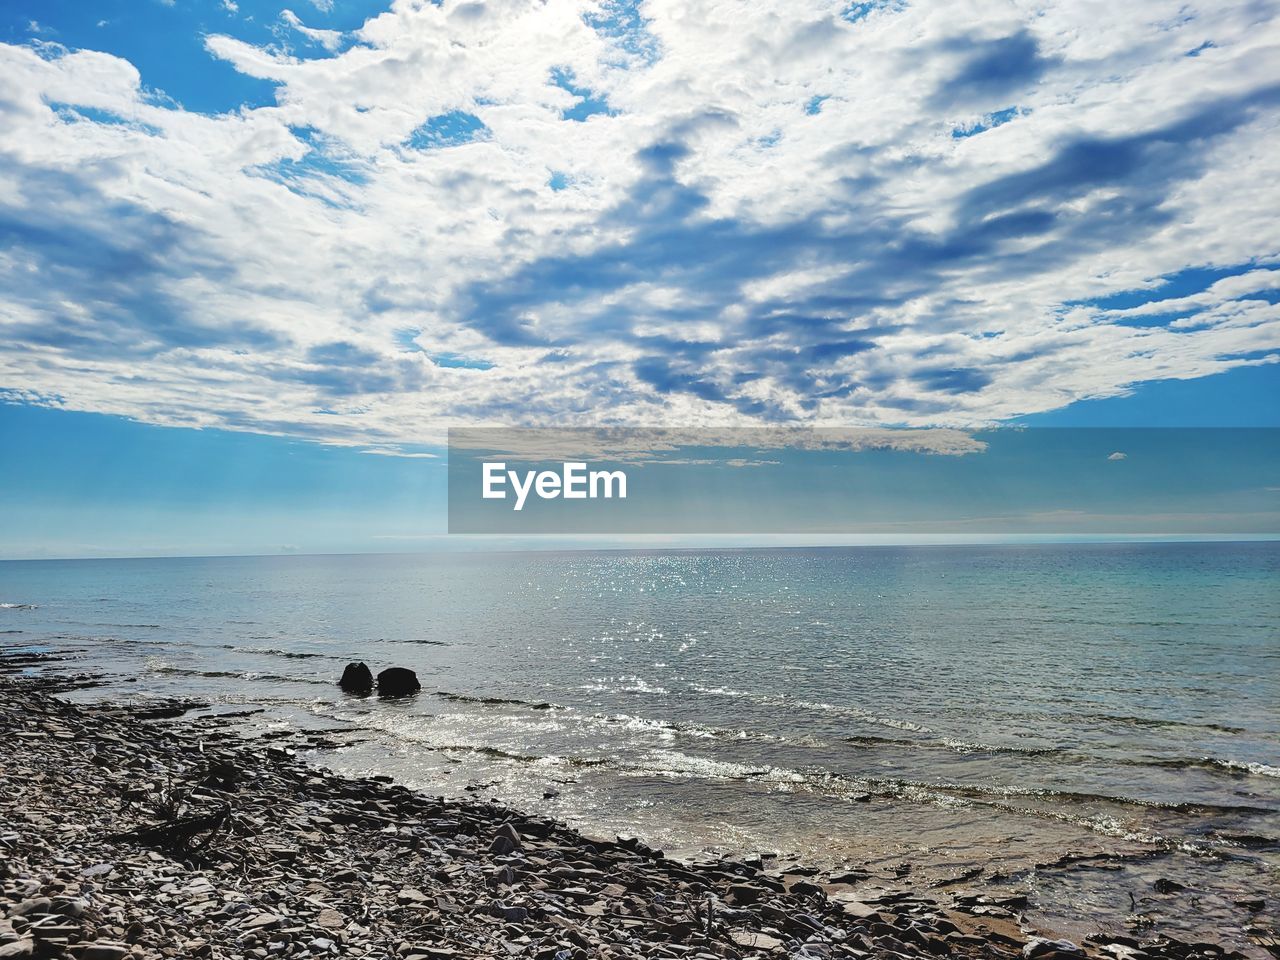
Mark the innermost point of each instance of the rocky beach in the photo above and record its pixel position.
(160, 831)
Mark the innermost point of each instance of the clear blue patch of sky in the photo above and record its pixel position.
(1243, 397)
(67, 473)
(457, 361)
(166, 42)
(1181, 284)
(589, 102)
(447, 130)
(814, 106)
(855, 12)
(407, 339)
(321, 160)
(989, 122)
(558, 180)
(81, 114)
(139, 488)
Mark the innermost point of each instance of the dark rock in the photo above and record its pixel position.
(357, 678)
(509, 914)
(506, 841)
(804, 888)
(397, 682)
(1164, 885)
(104, 951)
(744, 893)
(34, 905)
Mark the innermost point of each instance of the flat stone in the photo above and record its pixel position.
(263, 921)
(331, 919)
(105, 951)
(744, 893)
(753, 940)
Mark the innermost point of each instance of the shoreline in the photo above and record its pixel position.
(156, 835)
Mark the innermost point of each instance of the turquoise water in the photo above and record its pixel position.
(937, 709)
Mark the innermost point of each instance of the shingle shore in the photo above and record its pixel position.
(125, 832)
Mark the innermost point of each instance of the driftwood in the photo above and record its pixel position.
(180, 833)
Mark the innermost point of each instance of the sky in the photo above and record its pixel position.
(256, 257)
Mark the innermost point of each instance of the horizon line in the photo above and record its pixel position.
(927, 540)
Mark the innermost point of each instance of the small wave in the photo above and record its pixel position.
(896, 723)
(493, 753)
(696, 730)
(250, 675)
(1237, 768)
(497, 753)
(624, 685)
(18, 606)
(964, 747)
(497, 701)
(1249, 841)
(1158, 722)
(286, 654)
(718, 691)
(673, 763)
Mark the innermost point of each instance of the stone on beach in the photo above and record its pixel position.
(506, 840)
(398, 682)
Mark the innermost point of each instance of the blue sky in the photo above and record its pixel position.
(255, 257)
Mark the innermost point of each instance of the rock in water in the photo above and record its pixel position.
(398, 682)
(357, 679)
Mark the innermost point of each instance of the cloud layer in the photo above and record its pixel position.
(696, 213)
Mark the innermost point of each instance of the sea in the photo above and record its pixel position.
(1093, 726)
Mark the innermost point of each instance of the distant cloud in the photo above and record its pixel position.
(331, 40)
(683, 213)
(1118, 456)
(391, 452)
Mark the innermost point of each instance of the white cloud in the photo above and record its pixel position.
(331, 40)
(1118, 455)
(720, 252)
(391, 452)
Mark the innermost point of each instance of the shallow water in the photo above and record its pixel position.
(937, 708)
